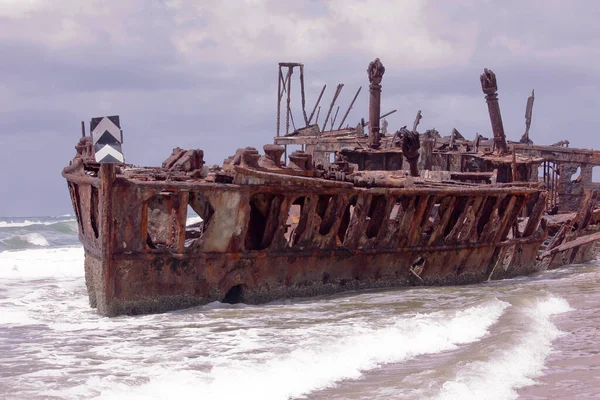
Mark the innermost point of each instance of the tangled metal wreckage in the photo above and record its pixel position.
(347, 210)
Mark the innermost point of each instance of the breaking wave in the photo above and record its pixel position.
(22, 234)
(319, 360)
(33, 233)
(514, 367)
(26, 222)
(29, 240)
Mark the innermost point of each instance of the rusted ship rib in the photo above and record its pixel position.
(571, 202)
(271, 229)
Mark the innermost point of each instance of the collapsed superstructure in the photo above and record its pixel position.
(340, 213)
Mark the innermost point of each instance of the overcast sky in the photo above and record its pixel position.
(202, 74)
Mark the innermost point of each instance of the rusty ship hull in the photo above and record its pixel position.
(348, 211)
(346, 238)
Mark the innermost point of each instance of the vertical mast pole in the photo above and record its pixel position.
(375, 72)
(490, 89)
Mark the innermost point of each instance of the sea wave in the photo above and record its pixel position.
(42, 263)
(25, 241)
(34, 233)
(509, 369)
(27, 222)
(341, 352)
(71, 222)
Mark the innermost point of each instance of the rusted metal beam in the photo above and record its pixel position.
(279, 78)
(417, 120)
(478, 211)
(349, 107)
(334, 118)
(490, 88)
(513, 166)
(284, 82)
(289, 90)
(152, 253)
(447, 207)
(329, 187)
(383, 116)
(317, 118)
(571, 245)
(335, 96)
(180, 220)
(315, 107)
(107, 179)
(302, 95)
(536, 215)
(82, 179)
(528, 113)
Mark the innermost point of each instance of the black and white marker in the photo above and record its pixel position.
(107, 137)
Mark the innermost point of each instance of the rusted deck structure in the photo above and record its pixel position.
(271, 229)
(565, 172)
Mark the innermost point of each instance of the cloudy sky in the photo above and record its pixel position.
(202, 73)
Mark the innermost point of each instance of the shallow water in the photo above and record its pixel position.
(531, 337)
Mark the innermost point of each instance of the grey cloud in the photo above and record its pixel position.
(166, 100)
(83, 70)
(538, 24)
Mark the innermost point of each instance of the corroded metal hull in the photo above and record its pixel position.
(272, 236)
(340, 214)
(166, 282)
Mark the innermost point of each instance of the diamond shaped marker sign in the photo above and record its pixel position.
(107, 137)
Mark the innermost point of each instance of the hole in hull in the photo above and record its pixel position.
(293, 222)
(94, 211)
(74, 189)
(234, 295)
(348, 214)
(376, 216)
(194, 227)
(199, 216)
(257, 223)
(326, 210)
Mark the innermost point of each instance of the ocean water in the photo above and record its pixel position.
(534, 337)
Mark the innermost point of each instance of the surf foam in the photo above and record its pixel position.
(21, 224)
(193, 220)
(510, 369)
(42, 263)
(25, 241)
(324, 357)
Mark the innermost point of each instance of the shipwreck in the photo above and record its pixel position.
(350, 208)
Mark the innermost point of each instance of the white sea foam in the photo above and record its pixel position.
(25, 241)
(510, 369)
(21, 224)
(318, 360)
(42, 263)
(15, 317)
(35, 239)
(193, 220)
